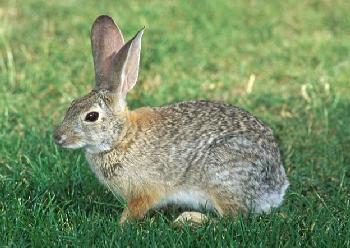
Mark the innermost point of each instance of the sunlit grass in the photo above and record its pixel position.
(287, 62)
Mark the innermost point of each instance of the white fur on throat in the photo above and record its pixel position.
(97, 148)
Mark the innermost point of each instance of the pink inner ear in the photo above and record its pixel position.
(106, 40)
(132, 63)
(126, 66)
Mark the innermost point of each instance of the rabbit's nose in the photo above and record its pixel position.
(59, 139)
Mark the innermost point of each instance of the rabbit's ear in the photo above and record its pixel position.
(126, 67)
(106, 41)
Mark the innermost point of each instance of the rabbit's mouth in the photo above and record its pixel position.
(72, 143)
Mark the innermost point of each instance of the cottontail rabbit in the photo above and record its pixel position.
(198, 154)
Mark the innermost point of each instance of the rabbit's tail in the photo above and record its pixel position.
(272, 198)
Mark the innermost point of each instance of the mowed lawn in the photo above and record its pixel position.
(287, 62)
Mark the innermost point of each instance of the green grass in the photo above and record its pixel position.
(299, 52)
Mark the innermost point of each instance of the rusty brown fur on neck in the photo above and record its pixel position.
(143, 117)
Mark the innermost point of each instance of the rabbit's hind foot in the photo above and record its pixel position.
(196, 218)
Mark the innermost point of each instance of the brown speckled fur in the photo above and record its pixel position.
(149, 154)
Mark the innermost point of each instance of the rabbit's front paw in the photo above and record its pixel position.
(125, 216)
(137, 208)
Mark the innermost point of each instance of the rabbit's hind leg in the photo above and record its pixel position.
(226, 205)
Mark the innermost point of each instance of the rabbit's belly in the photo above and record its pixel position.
(192, 198)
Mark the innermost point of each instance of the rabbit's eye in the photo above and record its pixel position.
(91, 116)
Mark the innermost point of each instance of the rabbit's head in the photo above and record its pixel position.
(96, 120)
